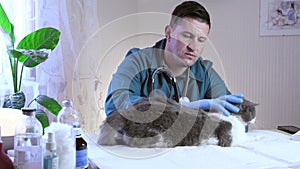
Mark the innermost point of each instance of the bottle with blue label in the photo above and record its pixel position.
(81, 150)
(69, 115)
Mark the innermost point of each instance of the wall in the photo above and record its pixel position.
(263, 68)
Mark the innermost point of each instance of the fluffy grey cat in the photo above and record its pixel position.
(161, 122)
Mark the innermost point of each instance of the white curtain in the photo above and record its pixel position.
(21, 15)
(61, 76)
(77, 20)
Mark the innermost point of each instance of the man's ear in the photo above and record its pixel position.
(168, 32)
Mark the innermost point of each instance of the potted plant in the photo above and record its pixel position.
(32, 50)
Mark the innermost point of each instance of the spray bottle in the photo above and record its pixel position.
(50, 156)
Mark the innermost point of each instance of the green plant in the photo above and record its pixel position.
(32, 50)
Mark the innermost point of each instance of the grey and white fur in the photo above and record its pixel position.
(161, 122)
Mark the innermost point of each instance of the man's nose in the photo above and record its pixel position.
(192, 45)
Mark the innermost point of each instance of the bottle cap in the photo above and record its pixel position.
(77, 131)
(28, 111)
(67, 103)
(51, 145)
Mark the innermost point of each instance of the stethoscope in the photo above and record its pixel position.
(172, 80)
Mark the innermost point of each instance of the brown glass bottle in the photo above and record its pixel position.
(81, 151)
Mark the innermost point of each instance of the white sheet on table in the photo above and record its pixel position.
(268, 150)
(187, 157)
(276, 146)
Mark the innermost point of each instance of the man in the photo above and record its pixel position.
(173, 68)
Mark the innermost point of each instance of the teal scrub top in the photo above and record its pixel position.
(133, 79)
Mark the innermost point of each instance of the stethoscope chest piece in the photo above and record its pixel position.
(184, 99)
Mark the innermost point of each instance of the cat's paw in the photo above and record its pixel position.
(210, 141)
(107, 135)
(224, 143)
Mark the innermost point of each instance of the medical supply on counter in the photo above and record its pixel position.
(65, 144)
(81, 150)
(50, 156)
(5, 161)
(28, 141)
(69, 115)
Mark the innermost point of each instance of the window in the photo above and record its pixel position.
(21, 14)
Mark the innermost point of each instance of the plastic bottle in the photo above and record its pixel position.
(28, 142)
(50, 156)
(69, 115)
(5, 161)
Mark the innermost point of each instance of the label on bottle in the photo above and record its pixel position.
(50, 162)
(28, 157)
(81, 158)
(22, 158)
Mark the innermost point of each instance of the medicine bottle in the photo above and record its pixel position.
(28, 142)
(50, 156)
(68, 114)
(81, 150)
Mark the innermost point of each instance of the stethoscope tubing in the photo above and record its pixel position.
(170, 74)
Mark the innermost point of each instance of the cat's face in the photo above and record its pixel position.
(247, 111)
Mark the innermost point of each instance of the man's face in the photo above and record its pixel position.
(186, 41)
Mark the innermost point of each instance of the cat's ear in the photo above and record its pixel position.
(249, 103)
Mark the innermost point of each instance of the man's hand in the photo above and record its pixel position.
(222, 104)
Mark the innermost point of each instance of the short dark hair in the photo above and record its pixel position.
(190, 9)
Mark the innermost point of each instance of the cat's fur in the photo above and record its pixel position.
(161, 122)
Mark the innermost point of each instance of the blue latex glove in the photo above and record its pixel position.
(221, 104)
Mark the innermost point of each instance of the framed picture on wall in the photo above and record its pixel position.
(279, 17)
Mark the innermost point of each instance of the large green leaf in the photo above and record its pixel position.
(42, 117)
(34, 61)
(34, 57)
(49, 103)
(44, 38)
(6, 25)
(17, 54)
